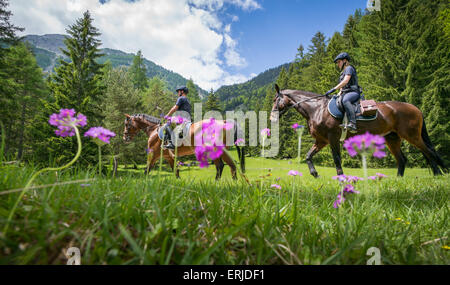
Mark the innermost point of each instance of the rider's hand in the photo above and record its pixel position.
(330, 92)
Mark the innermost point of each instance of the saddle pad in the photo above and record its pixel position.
(181, 130)
(337, 114)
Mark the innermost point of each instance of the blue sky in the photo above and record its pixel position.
(214, 42)
(270, 36)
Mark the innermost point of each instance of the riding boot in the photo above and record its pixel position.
(350, 110)
(168, 138)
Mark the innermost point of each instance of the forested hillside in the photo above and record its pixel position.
(47, 51)
(248, 95)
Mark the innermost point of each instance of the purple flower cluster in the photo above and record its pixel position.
(295, 173)
(66, 122)
(240, 142)
(364, 143)
(276, 186)
(265, 132)
(348, 189)
(100, 135)
(347, 178)
(208, 146)
(176, 119)
(297, 126)
(378, 176)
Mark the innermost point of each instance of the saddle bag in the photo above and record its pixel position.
(368, 107)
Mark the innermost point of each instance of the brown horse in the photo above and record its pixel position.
(396, 121)
(151, 126)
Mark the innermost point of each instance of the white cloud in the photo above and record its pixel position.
(185, 36)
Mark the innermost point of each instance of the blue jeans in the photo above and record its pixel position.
(349, 99)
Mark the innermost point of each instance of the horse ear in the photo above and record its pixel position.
(128, 116)
(277, 88)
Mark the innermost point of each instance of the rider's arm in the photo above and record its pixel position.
(173, 110)
(343, 82)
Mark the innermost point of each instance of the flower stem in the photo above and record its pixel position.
(99, 160)
(175, 159)
(364, 164)
(27, 186)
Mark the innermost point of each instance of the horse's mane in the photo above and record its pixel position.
(147, 118)
(298, 92)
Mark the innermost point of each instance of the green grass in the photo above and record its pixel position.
(133, 219)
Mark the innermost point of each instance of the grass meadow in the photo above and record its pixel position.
(136, 219)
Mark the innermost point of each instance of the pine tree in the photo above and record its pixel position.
(156, 99)
(138, 72)
(27, 86)
(7, 29)
(78, 84)
(193, 95)
(122, 98)
(212, 103)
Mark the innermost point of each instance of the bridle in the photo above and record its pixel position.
(128, 126)
(285, 109)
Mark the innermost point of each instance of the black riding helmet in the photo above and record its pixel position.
(342, 55)
(183, 88)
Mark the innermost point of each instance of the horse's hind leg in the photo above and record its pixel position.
(429, 154)
(171, 160)
(394, 143)
(219, 167)
(314, 149)
(228, 160)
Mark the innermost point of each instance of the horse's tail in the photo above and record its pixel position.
(426, 139)
(240, 149)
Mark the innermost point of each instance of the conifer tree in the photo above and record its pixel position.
(138, 72)
(212, 103)
(193, 95)
(77, 84)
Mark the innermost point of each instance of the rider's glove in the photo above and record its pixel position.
(330, 92)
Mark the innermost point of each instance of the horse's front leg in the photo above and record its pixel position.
(171, 160)
(336, 152)
(314, 149)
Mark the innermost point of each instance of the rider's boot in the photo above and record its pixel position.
(168, 138)
(350, 110)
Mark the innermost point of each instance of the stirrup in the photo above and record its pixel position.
(169, 145)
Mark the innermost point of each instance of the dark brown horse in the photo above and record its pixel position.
(151, 126)
(396, 121)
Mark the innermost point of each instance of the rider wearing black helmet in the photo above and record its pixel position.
(183, 106)
(349, 89)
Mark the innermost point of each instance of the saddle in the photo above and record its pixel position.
(182, 131)
(365, 110)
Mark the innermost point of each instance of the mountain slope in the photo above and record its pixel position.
(245, 95)
(47, 51)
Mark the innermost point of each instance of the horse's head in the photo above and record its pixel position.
(280, 104)
(131, 128)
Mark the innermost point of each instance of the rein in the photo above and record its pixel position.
(301, 101)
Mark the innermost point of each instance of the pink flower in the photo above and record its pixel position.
(294, 173)
(240, 142)
(207, 144)
(364, 143)
(66, 121)
(265, 132)
(380, 175)
(347, 178)
(100, 135)
(348, 189)
(276, 186)
(297, 126)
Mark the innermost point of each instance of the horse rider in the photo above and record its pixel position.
(349, 89)
(184, 107)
